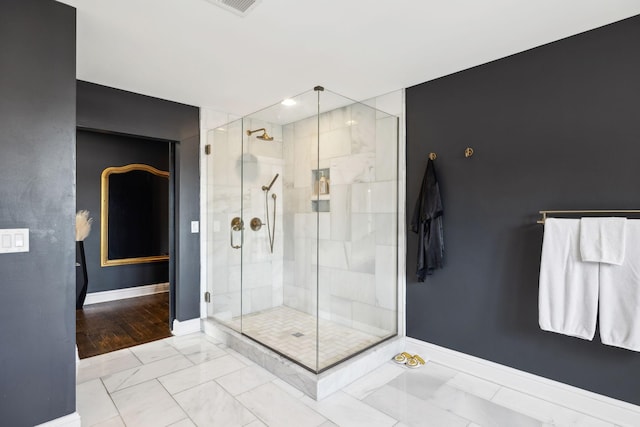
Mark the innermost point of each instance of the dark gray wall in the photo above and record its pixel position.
(37, 191)
(95, 152)
(556, 127)
(112, 110)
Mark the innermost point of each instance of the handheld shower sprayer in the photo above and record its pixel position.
(271, 230)
(268, 187)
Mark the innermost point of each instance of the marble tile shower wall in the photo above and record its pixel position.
(350, 251)
(262, 273)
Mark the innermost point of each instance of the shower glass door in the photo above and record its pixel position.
(224, 218)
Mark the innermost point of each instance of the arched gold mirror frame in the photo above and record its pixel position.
(104, 216)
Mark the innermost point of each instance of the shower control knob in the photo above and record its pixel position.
(237, 224)
(256, 224)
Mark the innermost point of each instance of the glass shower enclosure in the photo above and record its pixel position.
(302, 208)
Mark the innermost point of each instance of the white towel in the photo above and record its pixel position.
(568, 292)
(602, 240)
(620, 296)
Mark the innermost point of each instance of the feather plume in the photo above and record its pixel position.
(83, 225)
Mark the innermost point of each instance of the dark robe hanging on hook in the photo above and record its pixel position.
(427, 222)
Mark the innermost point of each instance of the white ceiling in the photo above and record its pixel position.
(193, 52)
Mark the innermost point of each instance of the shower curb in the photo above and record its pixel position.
(316, 386)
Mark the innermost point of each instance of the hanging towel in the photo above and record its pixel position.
(568, 291)
(427, 222)
(602, 240)
(620, 296)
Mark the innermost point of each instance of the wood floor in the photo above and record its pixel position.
(110, 326)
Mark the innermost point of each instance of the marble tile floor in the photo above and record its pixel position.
(193, 380)
(293, 333)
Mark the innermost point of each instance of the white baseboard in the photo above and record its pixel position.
(593, 404)
(186, 326)
(116, 294)
(71, 420)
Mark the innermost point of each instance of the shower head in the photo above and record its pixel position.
(264, 136)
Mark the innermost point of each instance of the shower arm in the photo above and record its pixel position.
(268, 188)
(250, 132)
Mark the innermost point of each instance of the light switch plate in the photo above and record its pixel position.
(14, 240)
(195, 226)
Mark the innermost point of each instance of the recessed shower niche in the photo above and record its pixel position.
(320, 190)
(309, 291)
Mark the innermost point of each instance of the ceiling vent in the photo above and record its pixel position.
(239, 7)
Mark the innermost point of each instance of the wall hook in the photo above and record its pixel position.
(433, 156)
(468, 152)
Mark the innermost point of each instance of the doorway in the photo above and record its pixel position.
(130, 303)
